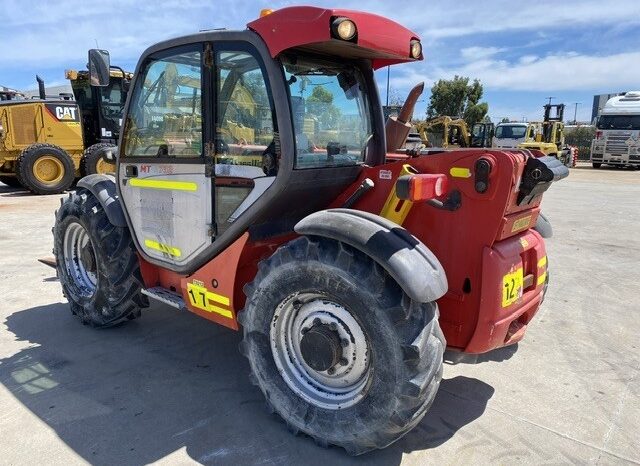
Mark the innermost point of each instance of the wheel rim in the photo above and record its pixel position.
(48, 169)
(102, 166)
(345, 382)
(79, 259)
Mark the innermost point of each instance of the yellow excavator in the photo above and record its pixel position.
(46, 143)
(447, 133)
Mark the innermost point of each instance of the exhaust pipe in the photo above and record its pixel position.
(397, 129)
(41, 91)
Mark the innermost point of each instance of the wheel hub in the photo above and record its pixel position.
(48, 169)
(80, 260)
(320, 350)
(320, 347)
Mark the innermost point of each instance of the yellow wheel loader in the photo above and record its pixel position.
(46, 143)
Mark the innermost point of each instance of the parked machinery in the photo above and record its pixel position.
(46, 143)
(349, 269)
(548, 135)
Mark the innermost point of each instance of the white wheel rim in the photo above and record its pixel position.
(76, 240)
(344, 384)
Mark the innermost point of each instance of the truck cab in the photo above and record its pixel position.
(617, 138)
(509, 135)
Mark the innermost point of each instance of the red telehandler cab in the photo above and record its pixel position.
(254, 188)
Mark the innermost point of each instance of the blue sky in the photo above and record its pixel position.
(521, 51)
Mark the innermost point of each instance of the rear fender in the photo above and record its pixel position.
(103, 187)
(414, 267)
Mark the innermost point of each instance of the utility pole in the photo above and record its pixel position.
(388, 72)
(575, 112)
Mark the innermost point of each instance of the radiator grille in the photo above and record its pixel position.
(23, 124)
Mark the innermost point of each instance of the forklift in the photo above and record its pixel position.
(548, 135)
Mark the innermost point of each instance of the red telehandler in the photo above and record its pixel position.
(254, 188)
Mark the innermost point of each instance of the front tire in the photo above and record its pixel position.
(45, 169)
(92, 162)
(340, 352)
(96, 263)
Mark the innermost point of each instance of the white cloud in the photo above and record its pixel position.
(476, 52)
(570, 71)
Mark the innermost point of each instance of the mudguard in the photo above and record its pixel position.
(543, 226)
(103, 188)
(402, 255)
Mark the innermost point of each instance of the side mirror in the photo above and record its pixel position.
(99, 66)
(109, 154)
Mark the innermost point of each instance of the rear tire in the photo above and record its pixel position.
(321, 284)
(10, 181)
(45, 169)
(96, 262)
(93, 163)
(596, 164)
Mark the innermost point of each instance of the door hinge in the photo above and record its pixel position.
(208, 55)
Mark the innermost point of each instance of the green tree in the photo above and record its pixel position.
(581, 137)
(505, 120)
(458, 99)
(320, 105)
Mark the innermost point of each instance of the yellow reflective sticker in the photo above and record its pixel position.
(512, 284)
(521, 223)
(524, 243)
(542, 262)
(175, 252)
(460, 172)
(163, 184)
(542, 278)
(200, 297)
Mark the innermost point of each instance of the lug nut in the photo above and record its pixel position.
(333, 326)
(331, 371)
(297, 305)
(344, 342)
(305, 330)
(343, 361)
(316, 321)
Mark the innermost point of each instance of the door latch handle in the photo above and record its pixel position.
(131, 170)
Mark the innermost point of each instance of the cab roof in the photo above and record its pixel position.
(378, 39)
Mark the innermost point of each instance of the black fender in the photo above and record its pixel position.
(411, 264)
(103, 187)
(543, 226)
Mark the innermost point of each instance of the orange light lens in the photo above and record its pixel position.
(265, 12)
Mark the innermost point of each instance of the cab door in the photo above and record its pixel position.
(164, 178)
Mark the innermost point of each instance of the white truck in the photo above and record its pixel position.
(617, 132)
(509, 135)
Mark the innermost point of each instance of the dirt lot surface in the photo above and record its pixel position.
(172, 388)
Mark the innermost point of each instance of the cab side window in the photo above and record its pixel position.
(246, 146)
(165, 119)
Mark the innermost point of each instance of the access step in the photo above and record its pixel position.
(166, 296)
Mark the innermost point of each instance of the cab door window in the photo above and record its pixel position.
(246, 148)
(165, 119)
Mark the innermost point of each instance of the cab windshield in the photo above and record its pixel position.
(112, 99)
(619, 122)
(331, 112)
(510, 131)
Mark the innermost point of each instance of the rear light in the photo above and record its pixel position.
(598, 135)
(422, 187)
